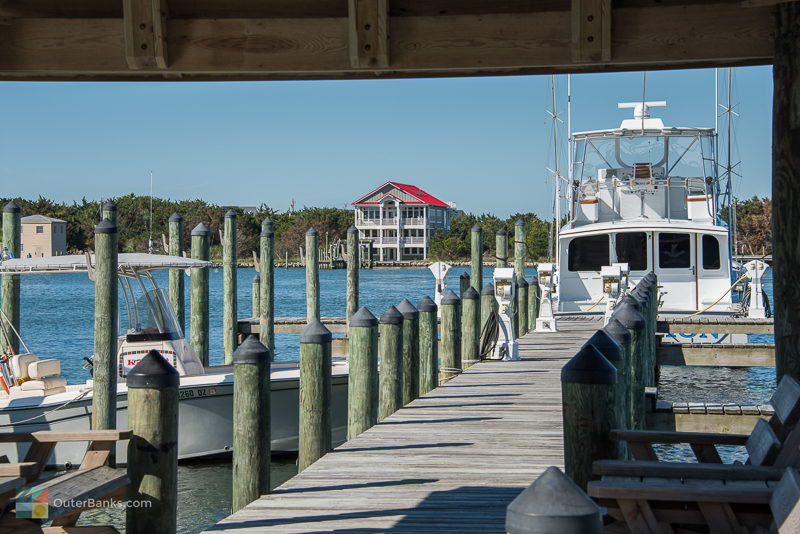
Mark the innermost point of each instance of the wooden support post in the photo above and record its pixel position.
(266, 317)
(11, 241)
(588, 385)
(315, 394)
(786, 189)
(104, 374)
(201, 238)
(353, 265)
(428, 346)
(515, 309)
(451, 334)
(615, 353)
(501, 248)
(251, 422)
(488, 303)
(476, 249)
(368, 30)
(591, 31)
(390, 352)
(176, 288)
(110, 211)
(470, 328)
(627, 314)
(622, 336)
(534, 294)
(153, 448)
(410, 350)
(256, 296)
(463, 283)
(145, 27)
(362, 382)
(520, 249)
(229, 289)
(522, 306)
(312, 275)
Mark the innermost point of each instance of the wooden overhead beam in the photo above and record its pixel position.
(368, 22)
(591, 30)
(145, 33)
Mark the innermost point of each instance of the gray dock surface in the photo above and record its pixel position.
(450, 461)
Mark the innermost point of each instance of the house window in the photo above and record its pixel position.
(674, 251)
(40, 229)
(632, 249)
(588, 253)
(710, 253)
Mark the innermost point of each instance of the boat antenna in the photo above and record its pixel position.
(150, 231)
(644, 97)
(730, 172)
(553, 241)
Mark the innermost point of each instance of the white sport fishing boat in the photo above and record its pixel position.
(39, 398)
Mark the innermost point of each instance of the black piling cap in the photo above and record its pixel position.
(632, 300)
(266, 228)
(408, 310)
(105, 227)
(201, 230)
(427, 305)
(589, 366)
(521, 282)
(450, 298)
(352, 230)
(533, 281)
(627, 314)
(464, 275)
(251, 351)
(315, 332)
(502, 231)
(11, 207)
(477, 228)
(553, 503)
(110, 206)
(230, 214)
(615, 329)
(391, 316)
(606, 344)
(312, 231)
(519, 222)
(488, 289)
(363, 317)
(175, 217)
(470, 294)
(257, 278)
(153, 372)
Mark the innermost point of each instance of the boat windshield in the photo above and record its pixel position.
(153, 319)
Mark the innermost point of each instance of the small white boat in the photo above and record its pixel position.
(39, 398)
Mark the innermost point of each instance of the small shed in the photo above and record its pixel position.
(43, 236)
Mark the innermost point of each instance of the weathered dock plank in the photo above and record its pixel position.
(447, 462)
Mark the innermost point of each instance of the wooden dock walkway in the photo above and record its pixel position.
(448, 462)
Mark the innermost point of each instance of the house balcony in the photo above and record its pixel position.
(413, 221)
(413, 241)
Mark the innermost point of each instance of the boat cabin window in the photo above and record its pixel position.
(153, 319)
(710, 253)
(674, 251)
(631, 248)
(588, 253)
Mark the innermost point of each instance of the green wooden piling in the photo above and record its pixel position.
(315, 394)
(588, 385)
(255, 296)
(428, 346)
(501, 248)
(104, 371)
(11, 241)
(201, 239)
(615, 353)
(176, 288)
(476, 250)
(353, 265)
(229, 305)
(622, 336)
(410, 350)
(522, 306)
(488, 303)
(520, 249)
(451, 334)
(266, 318)
(463, 283)
(251, 422)
(390, 352)
(362, 382)
(470, 328)
(515, 309)
(312, 275)
(153, 449)
(627, 313)
(109, 211)
(534, 294)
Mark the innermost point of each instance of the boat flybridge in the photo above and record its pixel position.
(37, 397)
(646, 197)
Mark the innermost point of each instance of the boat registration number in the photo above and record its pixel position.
(196, 392)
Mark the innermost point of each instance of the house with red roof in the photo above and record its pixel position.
(399, 219)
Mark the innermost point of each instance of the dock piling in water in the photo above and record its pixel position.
(451, 334)
(353, 265)
(201, 239)
(362, 382)
(229, 289)
(501, 248)
(109, 211)
(266, 317)
(11, 240)
(534, 294)
(106, 309)
(251, 422)
(153, 448)
(520, 249)
(627, 314)
(176, 275)
(312, 275)
(470, 328)
(255, 296)
(410, 350)
(488, 303)
(315, 394)
(622, 336)
(476, 251)
(463, 283)
(428, 346)
(390, 352)
(522, 306)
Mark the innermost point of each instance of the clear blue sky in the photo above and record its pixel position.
(482, 142)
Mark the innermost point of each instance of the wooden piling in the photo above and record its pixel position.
(410, 350)
(390, 352)
(312, 275)
(353, 265)
(488, 303)
(255, 296)
(522, 306)
(470, 328)
(622, 336)
(501, 248)
(428, 346)
(534, 294)
(463, 283)
(201, 239)
(588, 385)
(176, 287)
(476, 250)
(104, 370)
(627, 314)
(11, 283)
(615, 353)
(229, 289)
(109, 211)
(153, 449)
(315, 394)
(362, 393)
(266, 317)
(251, 422)
(451, 334)
(520, 249)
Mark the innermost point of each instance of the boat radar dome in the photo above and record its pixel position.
(641, 115)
